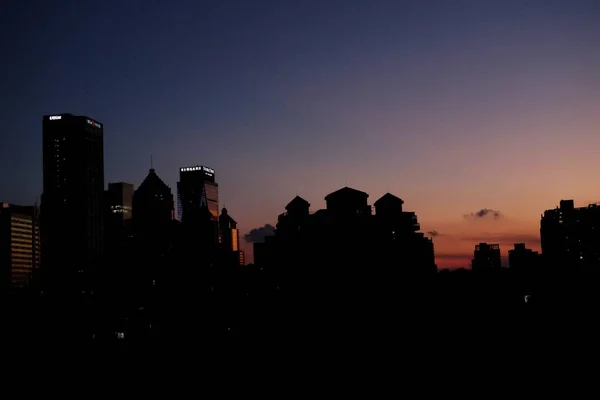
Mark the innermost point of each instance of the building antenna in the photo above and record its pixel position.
(151, 162)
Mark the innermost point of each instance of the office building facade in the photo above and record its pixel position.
(73, 188)
(198, 193)
(19, 245)
(197, 189)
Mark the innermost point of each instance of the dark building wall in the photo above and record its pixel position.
(118, 213)
(486, 257)
(73, 189)
(345, 248)
(152, 206)
(348, 201)
(522, 258)
(119, 199)
(571, 236)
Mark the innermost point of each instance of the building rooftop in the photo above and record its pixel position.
(390, 199)
(346, 191)
(297, 202)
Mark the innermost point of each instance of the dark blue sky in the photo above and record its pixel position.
(282, 97)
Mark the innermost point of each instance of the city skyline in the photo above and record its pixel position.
(479, 117)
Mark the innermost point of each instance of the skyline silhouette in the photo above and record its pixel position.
(480, 115)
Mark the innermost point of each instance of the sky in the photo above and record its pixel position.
(455, 106)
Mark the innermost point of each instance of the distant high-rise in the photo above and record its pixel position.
(19, 245)
(199, 196)
(152, 205)
(486, 256)
(230, 239)
(197, 189)
(73, 187)
(118, 213)
(571, 236)
(119, 198)
(229, 232)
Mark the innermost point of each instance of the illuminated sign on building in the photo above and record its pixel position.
(95, 124)
(209, 171)
(55, 117)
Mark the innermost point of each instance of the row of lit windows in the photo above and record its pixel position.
(21, 219)
(23, 270)
(25, 263)
(22, 232)
(21, 223)
(26, 234)
(23, 239)
(21, 266)
(20, 247)
(22, 250)
(26, 240)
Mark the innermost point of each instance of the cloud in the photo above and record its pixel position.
(483, 213)
(258, 234)
(503, 238)
(434, 233)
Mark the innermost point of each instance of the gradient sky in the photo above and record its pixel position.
(455, 106)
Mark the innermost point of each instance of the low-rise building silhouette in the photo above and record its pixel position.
(346, 245)
(486, 257)
(521, 258)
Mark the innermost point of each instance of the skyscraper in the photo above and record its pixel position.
(197, 189)
(19, 245)
(73, 185)
(199, 196)
(152, 205)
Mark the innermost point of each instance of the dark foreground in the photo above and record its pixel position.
(484, 310)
